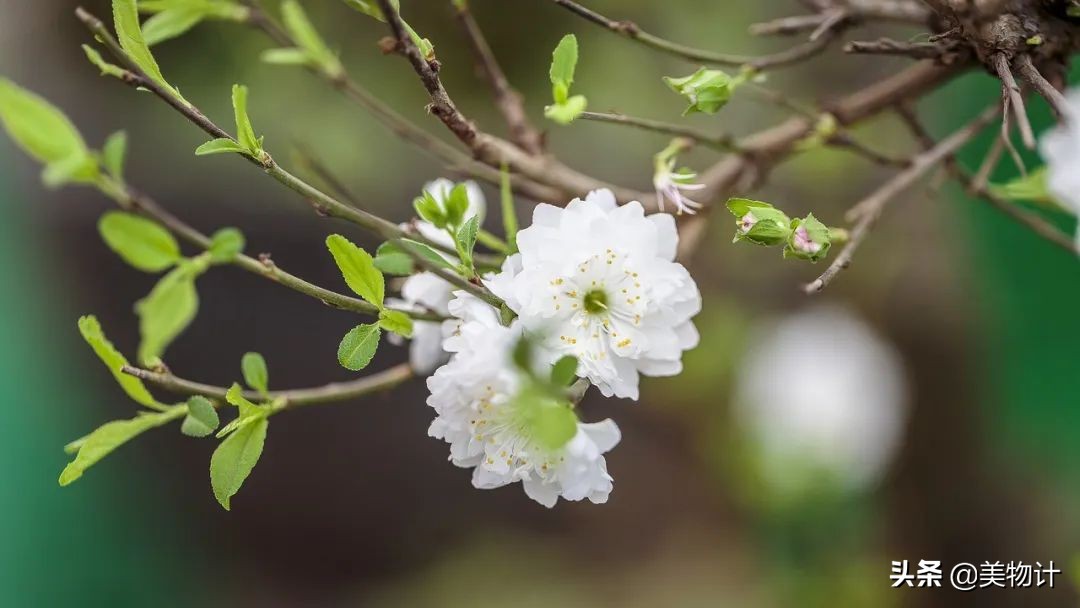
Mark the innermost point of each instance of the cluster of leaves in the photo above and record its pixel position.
(371, 9)
(245, 142)
(762, 224)
(311, 51)
(362, 276)
(243, 438)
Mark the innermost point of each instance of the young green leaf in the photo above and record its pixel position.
(76, 169)
(706, 90)
(307, 38)
(564, 371)
(568, 111)
(390, 259)
(107, 69)
(457, 203)
(221, 145)
(369, 8)
(225, 245)
(141, 242)
(202, 419)
(285, 56)
(358, 268)
(235, 458)
(563, 63)
(397, 322)
(108, 437)
(129, 33)
(255, 373)
(171, 23)
(430, 210)
(113, 154)
(167, 311)
(91, 331)
(465, 240)
(45, 133)
(245, 133)
(358, 347)
(248, 412)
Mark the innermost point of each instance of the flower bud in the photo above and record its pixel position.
(809, 240)
(758, 222)
(707, 90)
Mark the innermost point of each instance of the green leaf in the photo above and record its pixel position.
(430, 210)
(255, 373)
(141, 242)
(307, 38)
(245, 133)
(91, 331)
(759, 223)
(77, 169)
(129, 33)
(358, 347)
(370, 8)
(46, 134)
(465, 240)
(107, 69)
(248, 411)
(567, 112)
(168, 310)
(564, 371)
(1032, 188)
(551, 422)
(108, 437)
(287, 56)
(225, 245)
(220, 146)
(171, 23)
(426, 253)
(706, 90)
(113, 154)
(358, 268)
(456, 204)
(235, 458)
(390, 259)
(397, 322)
(563, 63)
(202, 419)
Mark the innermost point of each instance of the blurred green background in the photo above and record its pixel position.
(353, 505)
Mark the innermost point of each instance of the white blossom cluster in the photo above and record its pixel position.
(594, 280)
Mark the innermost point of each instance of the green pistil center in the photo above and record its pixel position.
(596, 302)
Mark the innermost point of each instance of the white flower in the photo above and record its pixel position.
(1061, 149)
(670, 185)
(426, 291)
(821, 392)
(474, 398)
(599, 281)
(440, 189)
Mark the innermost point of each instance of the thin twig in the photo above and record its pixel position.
(887, 46)
(869, 209)
(507, 100)
(329, 393)
(1010, 94)
(1057, 101)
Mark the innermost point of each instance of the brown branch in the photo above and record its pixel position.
(870, 209)
(508, 101)
(329, 393)
(1057, 101)
(887, 46)
(1011, 97)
